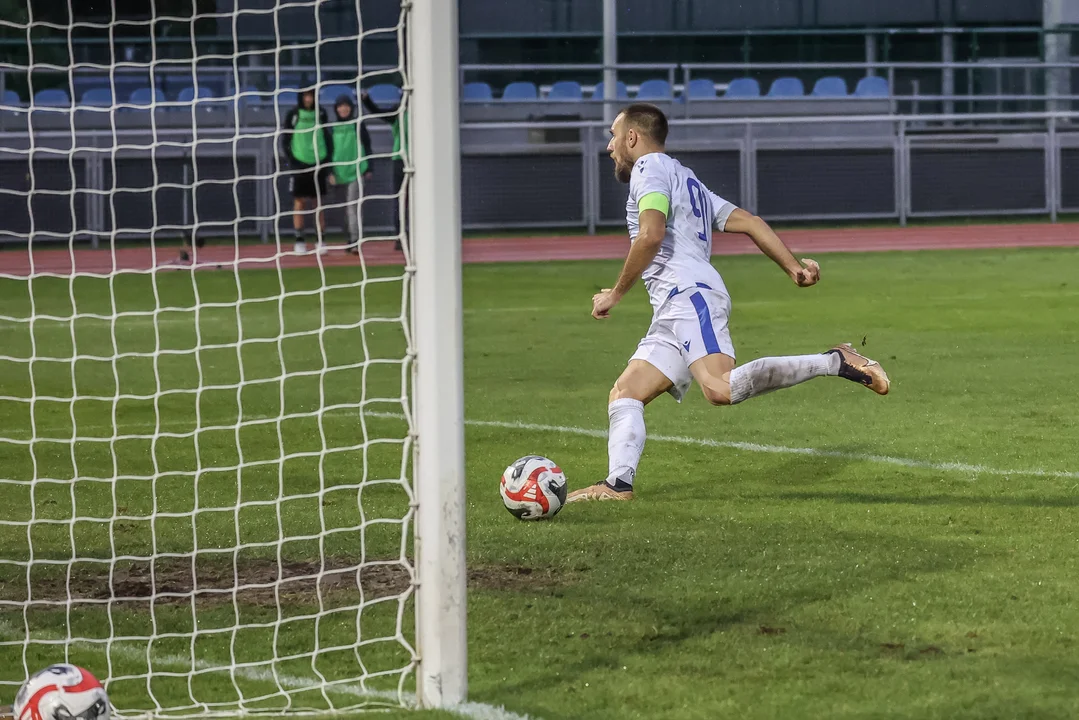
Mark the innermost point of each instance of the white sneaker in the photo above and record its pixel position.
(301, 247)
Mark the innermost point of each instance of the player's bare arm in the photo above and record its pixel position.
(641, 254)
(803, 273)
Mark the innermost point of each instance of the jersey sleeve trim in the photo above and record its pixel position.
(723, 212)
(655, 201)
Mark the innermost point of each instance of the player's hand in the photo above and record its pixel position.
(602, 302)
(808, 275)
(333, 180)
(368, 175)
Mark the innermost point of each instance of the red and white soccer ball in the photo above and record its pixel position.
(533, 488)
(61, 692)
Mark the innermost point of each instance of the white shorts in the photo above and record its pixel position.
(690, 324)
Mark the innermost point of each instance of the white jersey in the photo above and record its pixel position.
(684, 259)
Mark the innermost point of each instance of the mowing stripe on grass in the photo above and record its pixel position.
(957, 467)
(772, 449)
(477, 711)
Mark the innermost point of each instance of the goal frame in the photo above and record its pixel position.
(438, 383)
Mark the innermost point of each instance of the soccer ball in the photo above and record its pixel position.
(61, 692)
(533, 488)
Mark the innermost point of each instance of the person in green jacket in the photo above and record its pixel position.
(398, 122)
(307, 144)
(351, 146)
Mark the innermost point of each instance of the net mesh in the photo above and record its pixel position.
(205, 441)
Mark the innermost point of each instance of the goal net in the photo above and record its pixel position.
(231, 477)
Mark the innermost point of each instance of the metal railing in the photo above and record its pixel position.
(987, 80)
(831, 171)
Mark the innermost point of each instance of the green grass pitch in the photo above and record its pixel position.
(810, 578)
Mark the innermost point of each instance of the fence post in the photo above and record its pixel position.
(904, 168)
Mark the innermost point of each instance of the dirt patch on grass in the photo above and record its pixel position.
(218, 580)
(213, 581)
(518, 578)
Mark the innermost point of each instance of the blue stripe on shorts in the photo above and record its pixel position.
(704, 317)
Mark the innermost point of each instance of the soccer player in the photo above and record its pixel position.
(351, 146)
(307, 143)
(671, 215)
(399, 127)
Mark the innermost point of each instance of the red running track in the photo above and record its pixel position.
(19, 263)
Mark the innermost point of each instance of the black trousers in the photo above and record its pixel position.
(398, 181)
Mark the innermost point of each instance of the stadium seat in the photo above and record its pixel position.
(743, 87)
(520, 91)
(83, 80)
(621, 91)
(565, 91)
(248, 95)
(701, 89)
(97, 97)
(287, 99)
(143, 96)
(831, 86)
(173, 82)
(477, 92)
(214, 81)
(187, 94)
(384, 94)
(787, 87)
(329, 93)
(53, 97)
(654, 90)
(11, 99)
(872, 86)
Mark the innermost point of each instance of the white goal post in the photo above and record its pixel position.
(436, 214)
(232, 460)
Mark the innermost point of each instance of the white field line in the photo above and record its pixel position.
(477, 711)
(773, 449)
(956, 467)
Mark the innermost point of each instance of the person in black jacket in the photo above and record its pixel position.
(398, 122)
(307, 144)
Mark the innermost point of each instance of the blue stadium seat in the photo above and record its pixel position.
(248, 95)
(187, 94)
(83, 80)
(520, 91)
(743, 87)
(329, 93)
(143, 96)
(701, 89)
(287, 99)
(830, 87)
(11, 99)
(872, 86)
(203, 100)
(384, 94)
(621, 91)
(173, 82)
(97, 97)
(214, 81)
(477, 92)
(53, 97)
(565, 91)
(654, 90)
(787, 87)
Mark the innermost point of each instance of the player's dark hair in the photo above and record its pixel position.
(647, 119)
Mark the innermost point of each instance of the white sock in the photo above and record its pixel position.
(625, 442)
(764, 375)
